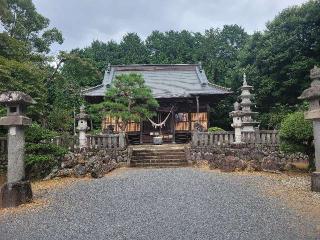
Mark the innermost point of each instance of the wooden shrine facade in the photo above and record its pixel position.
(182, 91)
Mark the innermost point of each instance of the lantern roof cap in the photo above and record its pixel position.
(16, 97)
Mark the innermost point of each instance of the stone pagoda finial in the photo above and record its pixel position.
(315, 74)
(312, 95)
(248, 123)
(245, 80)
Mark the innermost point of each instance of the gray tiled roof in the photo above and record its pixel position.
(165, 81)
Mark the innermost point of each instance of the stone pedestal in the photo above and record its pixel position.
(82, 139)
(237, 123)
(15, 194)
(157, 140)
(16, 142)
(315, 182)
(316, 134)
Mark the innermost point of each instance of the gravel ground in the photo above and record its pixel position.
(176, 203)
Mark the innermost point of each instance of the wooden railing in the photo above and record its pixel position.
(110, 141)
(264, 137)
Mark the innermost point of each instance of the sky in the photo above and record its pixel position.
(82, 21)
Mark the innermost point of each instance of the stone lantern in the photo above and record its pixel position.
(312, 95)
(248, 123)
(17, 190)
(82, 118)
(237, 122)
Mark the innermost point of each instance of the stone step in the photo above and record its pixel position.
(159, 165)
(159, 161)
(159, 155)
(157, 151)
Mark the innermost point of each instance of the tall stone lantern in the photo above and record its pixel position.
(248, 123)
(82, 118)
(17, 190)
(312, 95)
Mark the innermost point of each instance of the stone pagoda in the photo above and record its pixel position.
(248, 123)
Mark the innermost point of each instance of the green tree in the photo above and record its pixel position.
(22, 22)
(172, 47)
(278, 60)
(25, 77)
(296, 135)
(129, 99)
(220, 51)
(3, 8)
(41, 155)
(133, 50)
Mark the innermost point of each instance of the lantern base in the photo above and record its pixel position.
(315, 182)
(15, 194)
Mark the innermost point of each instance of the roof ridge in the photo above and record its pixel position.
(151, 64)
(92, 88)
(218, 86)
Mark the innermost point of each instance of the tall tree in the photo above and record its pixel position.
(22, 22)
(278, 60)
(133, 50)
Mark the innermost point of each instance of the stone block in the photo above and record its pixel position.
(315, 182)
(15, 194)
(80, 170)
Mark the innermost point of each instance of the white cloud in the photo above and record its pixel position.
(82, 21)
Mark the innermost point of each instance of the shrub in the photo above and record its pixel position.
(41, 155)
(215, 129)
(273, 119)
(296, 135)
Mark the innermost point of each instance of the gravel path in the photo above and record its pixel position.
(177, 203)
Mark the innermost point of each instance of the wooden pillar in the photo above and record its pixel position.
(141, 132)
(173, 120)
(198, 106)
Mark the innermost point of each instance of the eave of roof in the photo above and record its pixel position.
(166, 80)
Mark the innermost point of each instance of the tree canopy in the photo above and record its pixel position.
(129, 99)
(277, 60)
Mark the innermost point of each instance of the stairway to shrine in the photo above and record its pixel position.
(167, 155)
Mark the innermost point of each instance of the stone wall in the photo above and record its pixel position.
(245, 157)
(91, 162)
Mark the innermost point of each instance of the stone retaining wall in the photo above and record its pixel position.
(90, 162)
(245, 157)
